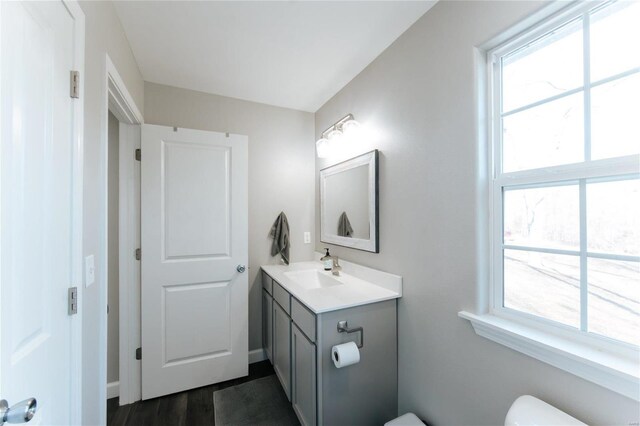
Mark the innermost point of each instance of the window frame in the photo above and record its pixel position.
(610, 363)
(580, 173)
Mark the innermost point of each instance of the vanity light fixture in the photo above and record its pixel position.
(334, 135)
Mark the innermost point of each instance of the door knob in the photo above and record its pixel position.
(21, 412)
(241, 268)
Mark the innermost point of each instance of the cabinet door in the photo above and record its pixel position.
(282, 347)
(303, 377)
(267, 324)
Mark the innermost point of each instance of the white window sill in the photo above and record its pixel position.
(610, 370)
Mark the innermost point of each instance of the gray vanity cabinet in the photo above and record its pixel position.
(301, 342)
(282, 347)
(267, 324)
(303, 377)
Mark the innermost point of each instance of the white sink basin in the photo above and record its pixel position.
(312, 278)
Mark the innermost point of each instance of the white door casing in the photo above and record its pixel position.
(129, 272)
(121, 104)
(194, 235)
(40, 207)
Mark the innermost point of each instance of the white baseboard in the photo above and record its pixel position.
(113, 390)
(257, 355)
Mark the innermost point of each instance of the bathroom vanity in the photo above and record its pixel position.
(302, 305)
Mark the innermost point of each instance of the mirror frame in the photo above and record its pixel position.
(372, 244)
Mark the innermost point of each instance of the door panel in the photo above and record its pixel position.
(194, 235)
(208, 307)
(267, 324)
(202, 230)
(282, 347)
(303, 377)
(36, 206)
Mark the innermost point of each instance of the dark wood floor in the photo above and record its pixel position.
(190, 408)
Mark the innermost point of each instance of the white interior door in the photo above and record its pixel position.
(39, 208)
(194, 247)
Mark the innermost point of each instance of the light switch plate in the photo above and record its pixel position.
(307, 237)
(89, 270)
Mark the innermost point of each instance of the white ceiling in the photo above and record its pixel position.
(294, 54)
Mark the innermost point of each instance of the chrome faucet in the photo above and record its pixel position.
(336, 268)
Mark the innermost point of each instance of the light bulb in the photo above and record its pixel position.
(323, 148)
(334, 135)
(349, 126)
(351, 131)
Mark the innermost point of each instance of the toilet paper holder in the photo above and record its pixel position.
(343, 328)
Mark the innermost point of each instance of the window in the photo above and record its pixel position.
(566, 175)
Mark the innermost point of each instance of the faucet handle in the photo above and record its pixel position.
(335, 270)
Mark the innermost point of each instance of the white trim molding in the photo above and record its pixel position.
(120, 102)
(613, 371)
(257, 355)
(113, 390)
(129, 272)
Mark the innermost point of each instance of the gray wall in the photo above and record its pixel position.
(103, 34)
(281, 169)
(418, 98)
(113, 331)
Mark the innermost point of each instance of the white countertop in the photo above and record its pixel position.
(355, 291)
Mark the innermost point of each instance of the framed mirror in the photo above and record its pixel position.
(349, 203)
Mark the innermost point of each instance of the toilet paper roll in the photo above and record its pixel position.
(345, 354)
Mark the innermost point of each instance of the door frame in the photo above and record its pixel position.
(77, 211)
(119, 101)
(73, 6)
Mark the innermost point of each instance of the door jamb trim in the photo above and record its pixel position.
(119, 101)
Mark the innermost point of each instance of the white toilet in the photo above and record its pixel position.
(525, 411)
(408, 419)
(530, 411)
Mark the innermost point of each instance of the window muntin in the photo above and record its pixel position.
(613, 216)
(615, 108)
(613, 41)
(568, 249)
(530, 73)
(528, 145)
(547, 216)
(543, 284)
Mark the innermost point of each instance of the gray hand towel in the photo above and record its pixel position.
(280, 234)
(344, 226)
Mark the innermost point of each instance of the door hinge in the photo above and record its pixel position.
(138, 254)
(75, 84)
(139, 353)
(139, 154)
(72, 300)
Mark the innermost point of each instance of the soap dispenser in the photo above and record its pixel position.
(327, 260)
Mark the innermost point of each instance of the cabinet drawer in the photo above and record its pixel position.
(304, 319)
(282, 297)
(267, 282)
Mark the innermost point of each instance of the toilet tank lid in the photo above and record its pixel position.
(530, 411)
